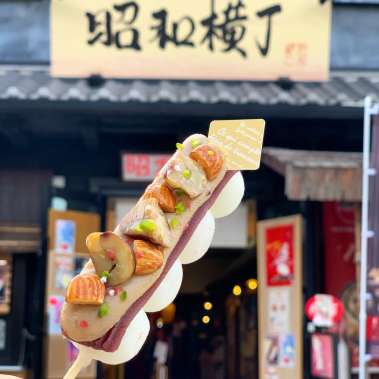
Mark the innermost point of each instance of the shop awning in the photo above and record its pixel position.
(32, 83)
(317, 175)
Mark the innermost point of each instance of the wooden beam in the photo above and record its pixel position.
(323, 184)
(274, 163)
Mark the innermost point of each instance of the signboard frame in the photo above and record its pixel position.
(286, 325)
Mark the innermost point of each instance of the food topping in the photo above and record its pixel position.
(111, 255)
(85, 289)
(148, 257)
(179, 192)
(163, 194)
(83, 324)
(174, 222)
(147, 226)
(105, 275)
(209, 158)
(180, 208)
(115, 258)
(147, 220)
(103, 310)
(123, 295)
(184, 174)
(114, 268)
(195, 143)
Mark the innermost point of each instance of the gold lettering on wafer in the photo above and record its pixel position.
(240, 140)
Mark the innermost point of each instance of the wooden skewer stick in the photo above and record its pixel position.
(82, 361)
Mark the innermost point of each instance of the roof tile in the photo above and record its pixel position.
(34, 83)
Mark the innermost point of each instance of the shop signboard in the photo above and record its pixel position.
(280, 298)
(200, 39)
(142, 167)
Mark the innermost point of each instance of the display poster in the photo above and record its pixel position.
(63, 271)
(55, 303)
(280, 265)
(279, 310)
(5, 284)
(322, 356)
(65, 236)
(199, 39)
(287, 356)
(280, 298)
(271, 350)
(280, 351)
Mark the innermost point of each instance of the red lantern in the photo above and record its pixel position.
(324, 310)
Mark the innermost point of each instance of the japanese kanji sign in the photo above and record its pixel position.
(142, 167)
(199, 39)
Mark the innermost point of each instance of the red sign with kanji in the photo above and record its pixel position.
(280, 255)
(142, 167)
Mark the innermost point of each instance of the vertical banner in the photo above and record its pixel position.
(339, 246)
(280, 298)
